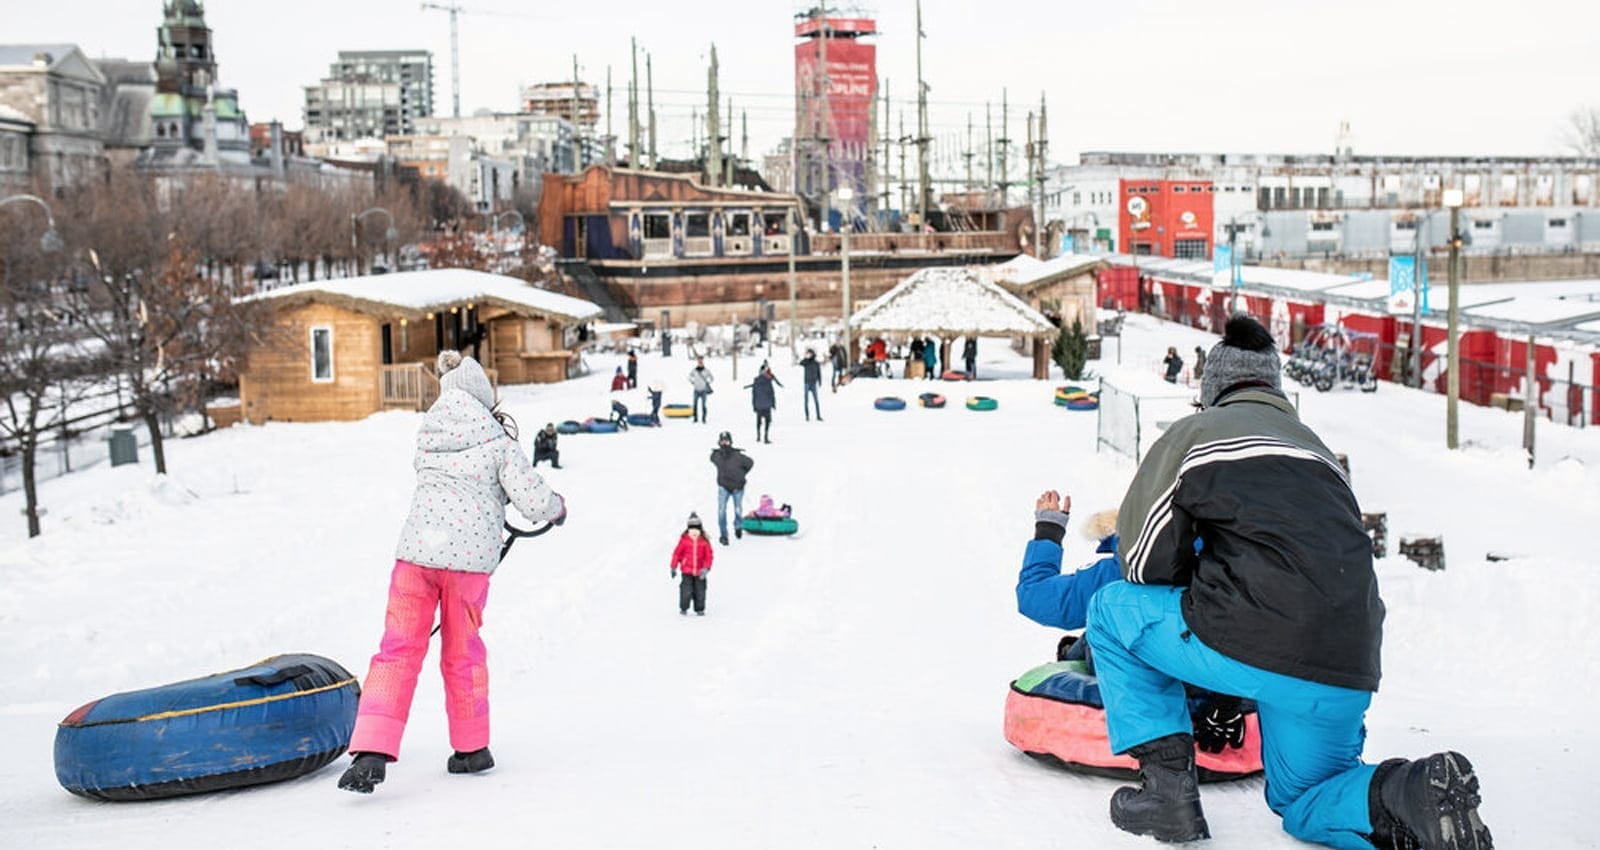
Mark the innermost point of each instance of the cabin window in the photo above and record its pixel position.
(405, 337)
(696, 224)
(739, 224)
(657, 226)
(777, 224)
(322, 354)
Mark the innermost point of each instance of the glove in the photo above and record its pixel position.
(1221, 725)
(561, 517)
(674, 573)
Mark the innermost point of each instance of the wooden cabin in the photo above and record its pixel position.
(347, 348)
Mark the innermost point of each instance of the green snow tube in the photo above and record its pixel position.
(770, 526)
(982, 402)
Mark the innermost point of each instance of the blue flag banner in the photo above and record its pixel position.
(1402, 284)
(1222, 258)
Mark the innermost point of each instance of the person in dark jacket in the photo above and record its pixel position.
(732, 466)
(764, 399)
(655, 403)
(544, 446)
(1274, 603)
(839, 358)
(811, 371)
(1174, 365)
(969, 353)
(633, 369)
(1199, 363)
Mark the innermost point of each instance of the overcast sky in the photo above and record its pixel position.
(1411, 77)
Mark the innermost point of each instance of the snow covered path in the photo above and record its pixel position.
(845, 689)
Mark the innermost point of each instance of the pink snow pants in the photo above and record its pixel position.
(414, 593)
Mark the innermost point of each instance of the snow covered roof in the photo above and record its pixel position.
(1025, 272)
(953, 302)
(432, 290)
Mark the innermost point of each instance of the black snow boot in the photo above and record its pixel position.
(476, 761)
(365, 773)
(1166, 805)
(1428, 804)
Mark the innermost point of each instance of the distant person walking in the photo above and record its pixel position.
(655, 403)
(700, 381)
(633, 369)
(764, 399)
(840, 359)
(930, 358)
(619, 381)
(733, 465)
(811, 370)
(1199, 363)
(969, 353)
(1174, 365)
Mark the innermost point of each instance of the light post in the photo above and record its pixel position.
(50, 242)
(846, 196)
(389, 235)
(1233, 254)
(1453, 199)
(794, 299)
(1419, 268)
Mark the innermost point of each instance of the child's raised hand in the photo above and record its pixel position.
(1050, 500)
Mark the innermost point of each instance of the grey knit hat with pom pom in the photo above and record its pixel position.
(1246, 357)
(463, 373)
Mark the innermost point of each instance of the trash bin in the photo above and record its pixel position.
(124, 448)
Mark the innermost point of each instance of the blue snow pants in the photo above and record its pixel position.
(1311, 733)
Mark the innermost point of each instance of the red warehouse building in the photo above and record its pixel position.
(1166, 218)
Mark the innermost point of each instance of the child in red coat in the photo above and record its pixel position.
(692, 557)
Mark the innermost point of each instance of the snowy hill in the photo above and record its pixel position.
(845, 689)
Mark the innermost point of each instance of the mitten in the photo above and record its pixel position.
(674, 573)
(1220, 725)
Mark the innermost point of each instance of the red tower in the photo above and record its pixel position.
(833, 110)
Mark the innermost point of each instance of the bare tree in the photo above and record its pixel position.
(1582, 135)
(43, 368)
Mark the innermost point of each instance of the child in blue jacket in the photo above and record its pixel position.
(1047, 596)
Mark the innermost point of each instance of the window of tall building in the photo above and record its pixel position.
(1190, 249)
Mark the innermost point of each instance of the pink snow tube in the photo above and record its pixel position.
(1073, 736)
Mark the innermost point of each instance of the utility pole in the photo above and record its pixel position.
(968, 156)
(577, 129)
(1043, 147)
(1005, 142)
(869, 169)
(922, 131)
(988, 148)
(633, 108)
(611, 137)
(650, 98)
(728, 162)
(713, 158)
(794, 301)
(1453, 378)
(888, 159)
(1028, 151)
(905, 197)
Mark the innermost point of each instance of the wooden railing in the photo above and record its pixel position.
(414, 386)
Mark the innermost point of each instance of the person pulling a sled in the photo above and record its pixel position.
(468, 466)
(1278, 605)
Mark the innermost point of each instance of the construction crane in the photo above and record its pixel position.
(455, 51)
(455, 55)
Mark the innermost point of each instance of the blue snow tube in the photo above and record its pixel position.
(570, 426)
(890, 403)
(277, 719)
(643, 420)
(600, 426)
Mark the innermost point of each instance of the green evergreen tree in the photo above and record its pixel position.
(1071, 351)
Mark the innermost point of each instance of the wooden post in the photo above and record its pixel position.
(1530, 399)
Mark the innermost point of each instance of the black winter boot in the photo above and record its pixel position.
(365, 773)
(1166, 804)
(476, 761)
(1428, 804)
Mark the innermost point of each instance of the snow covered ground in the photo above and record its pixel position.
(845, 690)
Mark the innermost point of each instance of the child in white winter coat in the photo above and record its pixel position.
(469, 465)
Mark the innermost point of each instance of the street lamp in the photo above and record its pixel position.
(1419, 268)
(1453, 199)
(389, 235)
(794, 299)
(846, 195)
(50, 242)
(1233, 253)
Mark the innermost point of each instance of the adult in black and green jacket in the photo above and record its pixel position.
(1278, 603)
